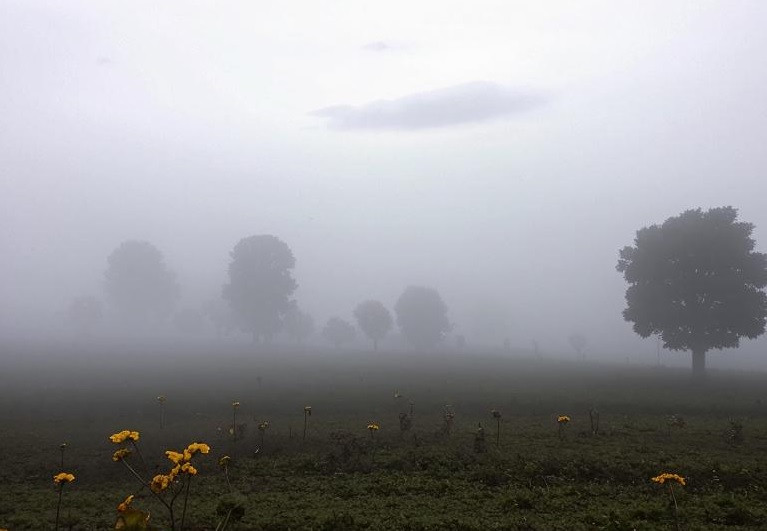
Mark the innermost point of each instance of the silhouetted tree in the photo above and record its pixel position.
(696, 281)
(374, 320)
(260, 284)
(338, 331)
(85, 313)
(422, 316)
(579, 344)
(299, 325)
(138, 284)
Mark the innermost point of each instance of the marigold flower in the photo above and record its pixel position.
(123, 436)
(373, 426)
(224, 461)
(662, 478)
(160, 482)
(120, 454)
(125, 505)
(189, 469)
(63, 477)
(134, 436)
(563, 419)
(174, 471)
(175, 457)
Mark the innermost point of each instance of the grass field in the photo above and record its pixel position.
(342, 477)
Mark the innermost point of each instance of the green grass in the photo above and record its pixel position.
(422, 479)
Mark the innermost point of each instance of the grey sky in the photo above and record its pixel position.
(191, 125)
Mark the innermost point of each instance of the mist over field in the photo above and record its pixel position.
(423, 223)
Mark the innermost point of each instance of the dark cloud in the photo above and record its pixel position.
(460, 104)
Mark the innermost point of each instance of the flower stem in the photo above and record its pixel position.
(186, 498)
(58, 506)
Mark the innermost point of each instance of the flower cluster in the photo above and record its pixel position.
(263, 426)
(563, 419)
(125, 505)
(668, 477)
(235, 404)
(373, 426)
(182, 465)
(123, 436)
(63, 477)
(120, 454)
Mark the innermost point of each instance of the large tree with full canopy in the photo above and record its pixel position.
(260, 284)
(422, 316)
(697, 282)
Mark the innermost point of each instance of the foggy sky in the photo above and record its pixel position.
(500, 152)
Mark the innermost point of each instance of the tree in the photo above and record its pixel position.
(338, 331)
(579, 344)
(138, 284)
(85, 314)
(422, 316)
(696, 281)
(299, 325)
(260, 284)
(374, 320)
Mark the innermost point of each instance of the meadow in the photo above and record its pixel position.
(435, 473)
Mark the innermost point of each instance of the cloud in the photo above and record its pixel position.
(479, 101)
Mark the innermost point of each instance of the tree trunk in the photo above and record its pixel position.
(698, 364)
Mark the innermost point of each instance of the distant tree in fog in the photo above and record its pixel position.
(374, 320)
(338, 331)
(579, 344)
(85, 314)
(220, 315)
(189, 321)
(299, 325)
(422, 316)
(138, 284)
(696, 281)
(260, 284)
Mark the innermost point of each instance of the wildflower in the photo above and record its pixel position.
(175, 457)
(189, 469)
(662, 478)
(563, 419)
(125, 505)
(198, 447)
(495, 413)
(120, 454)
(263, 426)
(397, 394)
(63, 477)
(123, 436)
(235, 404)
(373, 426)
(308, 410)
(62, 446)
(160, 482)
(224, 461)
(161, 399)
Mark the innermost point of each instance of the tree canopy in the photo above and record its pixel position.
(338, 331)
(422, 316)
(374, 320)
(138, 284)
(697, 282)
(260, 284)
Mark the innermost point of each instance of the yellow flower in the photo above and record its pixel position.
(174, 471)
(563, 419)
(123, 436)
(125, 505)
(668, 477)
(373, 426)
(189, 469)
(224, 461)
(176, 457)
(120, 454)
(63, 477)
(160, 482)
(198, 447)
